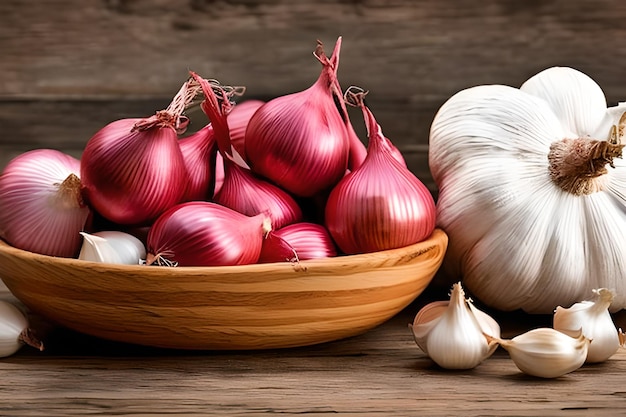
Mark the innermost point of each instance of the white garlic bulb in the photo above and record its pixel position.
(546, 352)
(594, 319)
(112, 247)
(14, 330)
(534, 176)
(452, 333)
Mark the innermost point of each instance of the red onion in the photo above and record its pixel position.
(238, 119)
(298, 241)
(41, 208)
(133, 169)
(241, 190)
(300, 141)
(201, 233)
(199, 153)
(380, 205)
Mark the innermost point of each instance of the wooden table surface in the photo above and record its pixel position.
(381, 373)
(69, 67)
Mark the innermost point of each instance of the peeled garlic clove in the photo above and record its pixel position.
(112, 247)
(546, 352)
(594, 319)
(452, 333)
(14, 330)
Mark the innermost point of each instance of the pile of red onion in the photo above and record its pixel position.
(285, 180)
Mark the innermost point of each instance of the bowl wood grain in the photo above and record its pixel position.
(257, 306)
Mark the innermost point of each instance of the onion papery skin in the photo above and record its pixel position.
(238, 119)
(241, 190)
(356, 158)
(300, 141)
(41, 207)
(219, 173)
(358, 150)
(307, 240)
(199, 153)
(244, 192)
(381, 205)
(395, 152)
(133, 176)
(202, 233)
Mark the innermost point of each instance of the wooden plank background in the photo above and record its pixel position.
(67, 67)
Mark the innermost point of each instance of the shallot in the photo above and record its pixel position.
(41, 207)
(381, 204)
(298, 241)
(201, 233)
(238, 119)
(242, 190)
(133, 169)
(199, 153)
(300, 140)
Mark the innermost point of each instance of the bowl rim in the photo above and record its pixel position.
(342, 261)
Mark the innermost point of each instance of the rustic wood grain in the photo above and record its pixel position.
(70, 66)
(381, 373)
(407, 49)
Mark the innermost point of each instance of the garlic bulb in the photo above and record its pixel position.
(545, 352)
(452, 333)
(533, 176)
(14, 330)
(594, 319)
(112, 247)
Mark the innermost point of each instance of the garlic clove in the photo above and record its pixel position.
(425, 317)
(579, 109)
(431, 311)
(94, 248)
(546, 352)
(451, 333)
(612, 126)
(129, 248)
(487, 324)
(14, 330)
(112, 247)
(594, 319)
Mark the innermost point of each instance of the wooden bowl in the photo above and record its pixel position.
(257, 306)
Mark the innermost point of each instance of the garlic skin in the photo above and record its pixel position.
(594, 319)
(452, 333)
(13, 323)
(500, 157)
(112, 247)
(546, 352)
